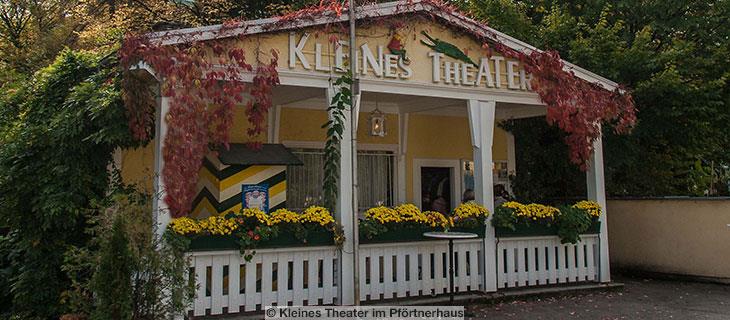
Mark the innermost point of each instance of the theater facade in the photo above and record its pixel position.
(427, 134)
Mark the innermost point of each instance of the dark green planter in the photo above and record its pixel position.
(283, 240)
(595, 227)
(523, 230)
(288, 239)
(398, 235)
(213, 243)
(537, 230)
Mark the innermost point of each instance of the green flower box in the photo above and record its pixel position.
(595, 227)
(537, 230)
(411, 234)
(526, 230)
(398, 235)
(283, 240)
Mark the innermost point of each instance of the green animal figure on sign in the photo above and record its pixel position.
(446, 48)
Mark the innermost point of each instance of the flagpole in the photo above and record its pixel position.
(354, 116)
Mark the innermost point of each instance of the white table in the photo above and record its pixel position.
(451, 236)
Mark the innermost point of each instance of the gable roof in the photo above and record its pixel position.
(377, 10)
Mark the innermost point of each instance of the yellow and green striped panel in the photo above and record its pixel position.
(219, 186)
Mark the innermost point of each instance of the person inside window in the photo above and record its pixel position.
(500, 195)
(468, 196)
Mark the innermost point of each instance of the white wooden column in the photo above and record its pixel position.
(343, 211)
(160, 212)
(481, 123)
(597, 193)
(402, 163)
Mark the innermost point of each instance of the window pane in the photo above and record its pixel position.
(375, 174)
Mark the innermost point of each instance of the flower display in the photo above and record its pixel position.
(283, 215)
(409, 212)
(261, 216)
(316, 214)
(470, 210)
(591, 207)
(437, 219)
(185, 226)
(532, 211)
(382, 215)
(218, 225)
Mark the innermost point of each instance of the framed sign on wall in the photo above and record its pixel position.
(256, 196)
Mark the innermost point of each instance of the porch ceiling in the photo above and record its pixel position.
(308, 97)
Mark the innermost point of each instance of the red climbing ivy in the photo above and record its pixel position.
(204, 82)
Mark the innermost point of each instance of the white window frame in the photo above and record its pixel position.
(394, 148)
(455, 170)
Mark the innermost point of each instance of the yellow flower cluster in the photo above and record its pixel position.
(256, 213)
(383, 214)
(409, 212)
(435, 218)
(315, 214)
(532, 211)
(218, 225)
(592, 207)
(470, 210)
(185, 226)
(284, 215)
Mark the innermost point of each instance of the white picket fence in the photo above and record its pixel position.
(544, 260)
(226, 283)
(292, 276)
(412, 269)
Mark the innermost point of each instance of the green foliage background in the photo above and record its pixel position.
(61, 115)
(675, 57)
(58, 135)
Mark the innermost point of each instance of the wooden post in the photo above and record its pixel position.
(597, 193)
(343, 212)
(161, 216)
(481, 123)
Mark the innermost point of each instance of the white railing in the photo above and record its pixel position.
(532, 261)
(411, 269)
(226, 283)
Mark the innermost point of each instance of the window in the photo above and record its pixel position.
(375, 179)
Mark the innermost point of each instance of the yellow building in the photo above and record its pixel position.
(426, 130)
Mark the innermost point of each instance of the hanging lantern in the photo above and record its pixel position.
(377, 123)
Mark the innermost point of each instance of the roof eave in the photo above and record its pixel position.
(211, 32)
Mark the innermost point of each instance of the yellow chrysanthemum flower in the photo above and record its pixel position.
(470, 210)
(185, 226)
(283, 215)
(316, 214)
(592, 207)
(256, 213)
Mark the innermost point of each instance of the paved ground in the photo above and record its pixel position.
(640, 299)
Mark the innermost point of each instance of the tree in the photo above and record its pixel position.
(673, 55)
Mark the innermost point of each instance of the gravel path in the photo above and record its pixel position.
(640, 299)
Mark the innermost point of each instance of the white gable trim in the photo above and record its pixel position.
(367, 11)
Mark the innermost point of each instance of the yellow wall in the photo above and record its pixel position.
(429, 136)
(138, 165)
(443, 137)
(685, 236)
(297, 124)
